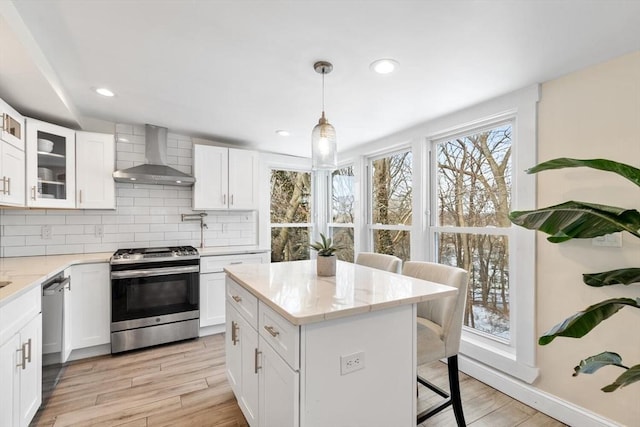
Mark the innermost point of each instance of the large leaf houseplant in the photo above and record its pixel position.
(578, 220)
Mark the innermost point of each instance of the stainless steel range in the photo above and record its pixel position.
(154, 296)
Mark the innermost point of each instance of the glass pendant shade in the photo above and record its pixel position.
(324, 150)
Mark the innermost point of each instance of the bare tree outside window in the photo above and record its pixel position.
(290, 215)
(474, 195)
(342, 214)
(391, 212)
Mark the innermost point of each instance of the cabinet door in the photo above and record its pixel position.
(210, 168)
(241, 355)
(31, 370)
(10, 382)
(279, 390)
(243, 179)
(12, 171)
(212, 299)
(51, 165)
(12, 126)
(95, 161)
(90, 297)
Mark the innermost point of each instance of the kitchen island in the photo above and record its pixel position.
(304, 350)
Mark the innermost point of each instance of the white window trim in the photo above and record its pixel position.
(517, 359)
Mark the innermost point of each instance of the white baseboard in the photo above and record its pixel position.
(542, 401)
(210, 330)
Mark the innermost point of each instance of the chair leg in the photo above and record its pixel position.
(454, 385)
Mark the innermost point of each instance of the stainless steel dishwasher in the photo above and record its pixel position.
(54, 355)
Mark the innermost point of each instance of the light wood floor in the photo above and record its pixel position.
(184, 384)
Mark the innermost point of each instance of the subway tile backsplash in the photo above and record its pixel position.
(145, 215)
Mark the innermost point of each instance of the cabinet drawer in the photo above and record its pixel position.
(215, 264)
(243, 301)
(19, 312)
(283, 336)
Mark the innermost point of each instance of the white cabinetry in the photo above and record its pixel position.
(20, 359)
(12, 165)
(266, 386)
(212, 279)
(51, 165)
(89, 305)
(226, 178)
(95, 161)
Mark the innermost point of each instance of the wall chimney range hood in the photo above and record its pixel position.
(155, 171)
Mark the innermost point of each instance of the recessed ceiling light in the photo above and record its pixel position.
(104, 91)
(283, 132)
(384, 66)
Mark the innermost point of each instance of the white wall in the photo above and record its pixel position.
(146, 215)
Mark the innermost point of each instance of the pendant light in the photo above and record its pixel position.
(324, 154)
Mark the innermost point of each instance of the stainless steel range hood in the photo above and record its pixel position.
(155, 171)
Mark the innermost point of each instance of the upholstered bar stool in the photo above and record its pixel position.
(380, 261)
(439, 327)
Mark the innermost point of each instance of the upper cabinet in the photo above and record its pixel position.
(12, 126)
(51, 165)
(95, 162)
(12, 190)
(226, 178)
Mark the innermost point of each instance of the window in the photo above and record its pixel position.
(341, 215)
(472, 228)
(391, 204)
(290, 215)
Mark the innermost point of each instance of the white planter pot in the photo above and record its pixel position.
(326, 265)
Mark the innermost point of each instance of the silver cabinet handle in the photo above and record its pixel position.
(224, 199)
(9, 185)
(23, 355)
(5, 122)
(234, 332)
(236, 298)
(272, 330)
(232, 199)
(235, 262)
(80, 197)
(33, 192)
(4, 185)
(29, 344)
(255, 360)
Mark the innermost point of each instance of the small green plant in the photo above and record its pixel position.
(324, 247)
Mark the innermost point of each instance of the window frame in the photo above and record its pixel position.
(329, 205)
(368, 211)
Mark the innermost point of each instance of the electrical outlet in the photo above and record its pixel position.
(45, 232)
(99, 231)
(351, 362)
(613, 240)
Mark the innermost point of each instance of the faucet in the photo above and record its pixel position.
(197, 217)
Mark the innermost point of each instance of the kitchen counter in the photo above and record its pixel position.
(297, 293)
(26, 272)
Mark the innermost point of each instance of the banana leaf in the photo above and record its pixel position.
(624, 170)
(584, 321)
(593, 363)
(629, 376)
(623, 276)
(578, 220)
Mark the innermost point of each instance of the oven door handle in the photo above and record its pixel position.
(162, 271)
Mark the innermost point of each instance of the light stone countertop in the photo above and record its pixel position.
(295, 291)
(26, 272)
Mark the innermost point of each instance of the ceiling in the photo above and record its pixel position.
(236, 71)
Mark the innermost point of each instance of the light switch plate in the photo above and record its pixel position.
(613, 240)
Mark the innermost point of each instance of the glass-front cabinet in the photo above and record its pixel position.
(50, 165)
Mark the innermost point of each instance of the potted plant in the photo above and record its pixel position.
(576, 220)
(326, 262)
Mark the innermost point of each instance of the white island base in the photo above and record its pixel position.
(295, 358)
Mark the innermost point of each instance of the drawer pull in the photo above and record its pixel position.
(256, 355)
(235, 262)
(234, 332)
(272, 330)
(237, 298)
